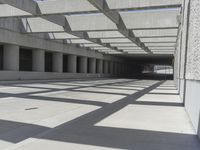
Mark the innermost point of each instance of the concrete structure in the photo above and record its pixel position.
(89, 44)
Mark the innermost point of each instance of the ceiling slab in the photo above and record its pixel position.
(105, 34)
(38, 24)
(151, 19)
(124, 4)
(160, 39)
(156, 33)
(123, 44)
(78, 41)
(10, 11)
(90, 22)
(161, 44)
(114, 40)
(65, 6)
(129, 48)
(63, 35)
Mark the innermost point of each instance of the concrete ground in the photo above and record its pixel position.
(94, 114)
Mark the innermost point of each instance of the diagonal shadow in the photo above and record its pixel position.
(82, 131)
(16, 131)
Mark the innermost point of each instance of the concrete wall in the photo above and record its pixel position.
(187, 60)
(21, 75)
(192, 100)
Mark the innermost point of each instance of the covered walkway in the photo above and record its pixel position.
(94, 114)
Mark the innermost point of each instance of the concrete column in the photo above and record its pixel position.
(99, 65)
(83, 65)
(38, 60)
(11, 57)
(105, 67)
(72, 63)
(58, 62)
(92, 65)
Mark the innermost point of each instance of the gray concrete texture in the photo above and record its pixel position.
(193, 56)
(94, 114)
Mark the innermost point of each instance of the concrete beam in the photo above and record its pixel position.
(102, 6)
(27, 5)
(32, 7)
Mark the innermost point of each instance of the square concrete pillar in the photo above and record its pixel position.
(58, 62)
(99, 66)
(72, 63)
(83, 64)
(38, 60)
(92, 65)
(11, 57)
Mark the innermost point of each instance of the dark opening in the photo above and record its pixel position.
(88, 65)
(78, 65)
(109, 71)
(25, 60)
(104, 67)
(97, 61)
(1, 57)
(48, 62)
(65, 63)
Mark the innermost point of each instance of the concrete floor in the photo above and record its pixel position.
(94, 114)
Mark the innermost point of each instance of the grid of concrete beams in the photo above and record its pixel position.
(107, 26)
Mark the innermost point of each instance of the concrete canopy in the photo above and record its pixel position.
(62, 35)
(105, 34)
(61, 6)
(7, 10)
(151, 19)
(116, 40)
(160, 39)
(156, 33)
(124, 4)
(100, 25)
(90, 22)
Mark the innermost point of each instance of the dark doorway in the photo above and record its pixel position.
(1, 57)
(88, 65)
(65, 63)
(48, 62)
(78, 65)
(109, 68)
(25, 60)
(97, 66)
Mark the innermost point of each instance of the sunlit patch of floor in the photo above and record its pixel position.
(87, 95)
(160, 98)
(19, 90)
(152, 118)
